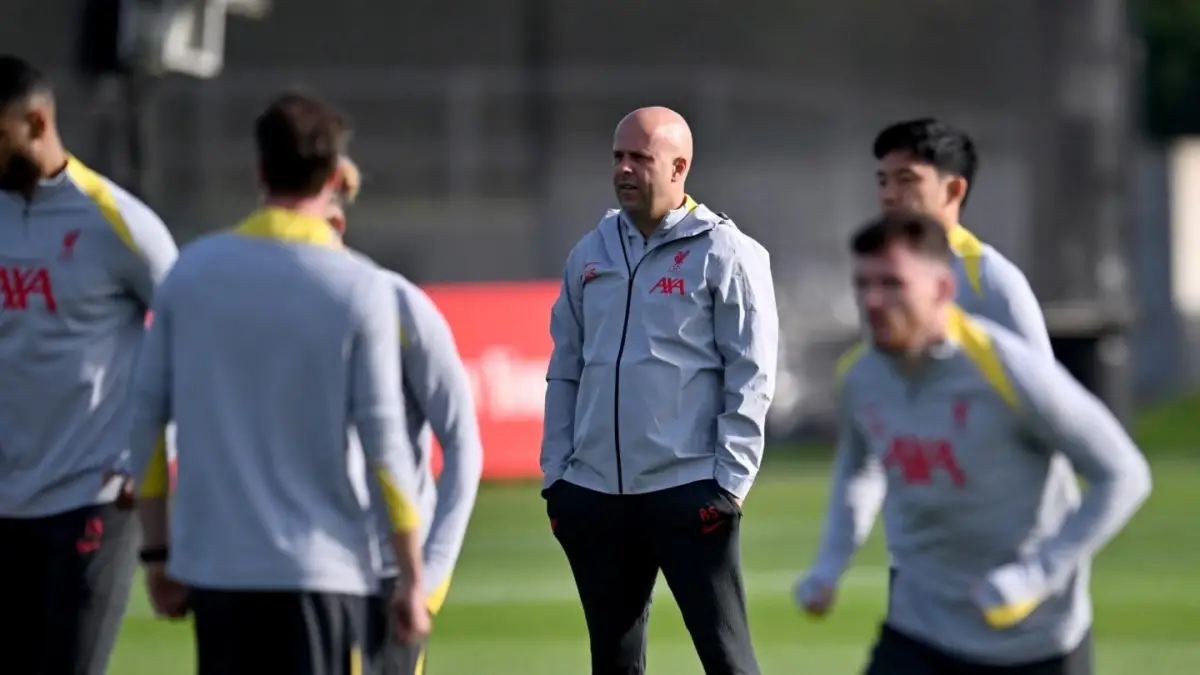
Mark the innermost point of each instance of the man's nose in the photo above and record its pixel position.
(871, 297)
(889, 197)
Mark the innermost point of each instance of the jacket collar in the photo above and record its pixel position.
(689, 220)
(289, 226)
(674, 217)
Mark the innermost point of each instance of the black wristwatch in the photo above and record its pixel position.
(154, 554)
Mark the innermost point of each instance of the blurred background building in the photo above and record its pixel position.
(484, 127)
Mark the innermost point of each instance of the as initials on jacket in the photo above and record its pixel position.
(18, 284)
(670, 283)
(40, 271)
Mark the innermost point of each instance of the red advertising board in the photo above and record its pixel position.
(503, 335)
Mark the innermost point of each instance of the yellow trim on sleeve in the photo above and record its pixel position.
(93, 185)
(977, 345)
(158, 475)
(401, 511)
(968, 247)
(1005, 616)
(437, 597)
(420, 670)
(356, 666)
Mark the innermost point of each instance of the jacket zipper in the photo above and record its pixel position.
(632, 271)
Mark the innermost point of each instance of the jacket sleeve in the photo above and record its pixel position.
(562, 376)
(376, 402)
(438, 383)
(746, 330)
(148, 253)
(1011, 303)
(856, 494)
(150, 403)
(152, 250)
(1063, 416)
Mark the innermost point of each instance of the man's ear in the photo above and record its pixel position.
(337, 220)
(947, 285)
(956, 189)
(680, 169)
(38, 119)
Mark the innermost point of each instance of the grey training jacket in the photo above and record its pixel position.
(663, 367)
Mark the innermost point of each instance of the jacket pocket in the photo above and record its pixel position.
(729, 499)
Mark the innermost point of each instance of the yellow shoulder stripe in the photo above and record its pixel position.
(847, 361)
(101, 195)
(967, 247)
(977, 345)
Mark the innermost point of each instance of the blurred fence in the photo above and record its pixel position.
(484, 129)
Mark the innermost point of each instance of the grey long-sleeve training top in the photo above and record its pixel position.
(991, 542)
(269, 345)
(989, 285)
(437, 394)
(79, 264)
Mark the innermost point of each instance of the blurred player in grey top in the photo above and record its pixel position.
(269, 345)
(80, 260)
(976, 437)
(665, 344)
(438, 402)
(929, 166)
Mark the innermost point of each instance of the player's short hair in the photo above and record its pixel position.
(947, 148)
(300, 141)
(920, 233)
(20, 80)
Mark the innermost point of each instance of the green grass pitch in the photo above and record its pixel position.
(512, 609)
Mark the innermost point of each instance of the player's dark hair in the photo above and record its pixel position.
(300, 141)
(946, 148)
(19, 80)
(922, 234)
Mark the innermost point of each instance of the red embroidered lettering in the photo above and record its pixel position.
(668, 286)
(93, 537)
(918, 458)
(18, 283)
(904, 453)
(939, 454)
(960, 410)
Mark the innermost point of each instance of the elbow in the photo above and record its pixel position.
(1129, 483)
(564, 370)
(473, 472)
(1139, 481)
